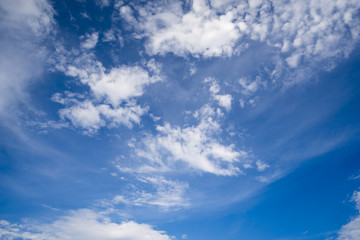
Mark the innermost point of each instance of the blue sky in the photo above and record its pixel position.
(187, 119)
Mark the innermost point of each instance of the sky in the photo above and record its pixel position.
(194, 119)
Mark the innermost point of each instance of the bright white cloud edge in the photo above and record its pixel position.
(81, 224)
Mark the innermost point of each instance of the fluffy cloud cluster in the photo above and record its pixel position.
(299, 29)
(351, 231)
(81, 224)
(195, 147)
(111, 100)
(167, 194)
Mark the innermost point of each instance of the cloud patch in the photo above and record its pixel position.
(25, 25)
(111, 101)
(351, 231)
(81, 224)
(223, 100)
(194, 147)
(167, 194)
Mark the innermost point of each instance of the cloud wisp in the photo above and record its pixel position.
(167, 194)
(351, 231)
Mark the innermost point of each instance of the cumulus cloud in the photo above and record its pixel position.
(298, 29)
(199, 31)
(167, 194)
(351, 231)
(112, 98)
(196, 147)
(81, 224)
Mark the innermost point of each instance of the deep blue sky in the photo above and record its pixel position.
(179, 120)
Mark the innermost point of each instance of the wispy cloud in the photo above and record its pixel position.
(167, 194)
(351, 231)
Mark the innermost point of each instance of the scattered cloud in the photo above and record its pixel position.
(196, 147)
(249, 87)
(167, 194)
(223, 100)
(103, 3)
(111, 100)
(351, 231)
(208, 28)
(113, 35)
(201, 31)
(261, 166)
(90, 40)
(193, 69)
(81, 224)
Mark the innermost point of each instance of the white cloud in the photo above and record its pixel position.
(103, 3)
(81, 224)
(24, 15)
(196, 147)
(24, 25)
(271, 177)
(90, 41)
(193, 69)
(113, 35)
(223, 100)
(248, 90)
(200, 31)
(127, 13)
(91, 116)
(249, 87)
(111, 101)
(167, 194)
(261, 166)
(121, 84)
(293, 60)
(351, 231)
(310, 29)
(83, 114)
